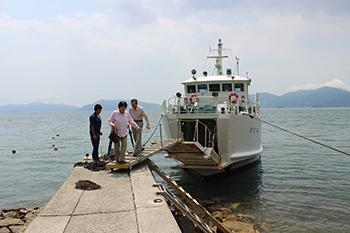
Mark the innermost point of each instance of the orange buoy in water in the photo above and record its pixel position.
(53, 144)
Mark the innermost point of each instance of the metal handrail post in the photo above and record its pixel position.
(205, 144)
(161, 136)
(197, 129)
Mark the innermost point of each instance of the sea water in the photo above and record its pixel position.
(298, 186)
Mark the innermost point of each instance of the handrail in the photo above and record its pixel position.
(176, 105)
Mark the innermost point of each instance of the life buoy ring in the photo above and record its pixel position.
(195, 97)
(242, 98)
(233, 100)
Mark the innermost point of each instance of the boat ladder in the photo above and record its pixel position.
(192, 154)
(197, 208)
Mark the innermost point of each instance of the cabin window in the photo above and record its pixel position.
(202, 88)
(191, 89)
(227, 87)
(214, 87)
(239, 87)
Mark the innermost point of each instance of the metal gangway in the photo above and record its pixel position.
(145, 154)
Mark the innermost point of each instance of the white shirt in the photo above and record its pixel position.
(138, 113)
(120, 120)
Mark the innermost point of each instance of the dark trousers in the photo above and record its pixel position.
(95, 144)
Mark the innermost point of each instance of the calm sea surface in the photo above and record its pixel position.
(297, 187)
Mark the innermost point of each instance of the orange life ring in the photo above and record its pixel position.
(194, 96)
(234, 100)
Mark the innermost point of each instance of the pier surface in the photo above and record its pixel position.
(126, 202)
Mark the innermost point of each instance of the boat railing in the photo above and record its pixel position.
(212, 105)
(209, 136)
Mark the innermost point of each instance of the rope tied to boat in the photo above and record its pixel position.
(306, 138)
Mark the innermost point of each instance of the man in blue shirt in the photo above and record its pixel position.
(95, 130)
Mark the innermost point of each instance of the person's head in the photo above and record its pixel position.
(98, 109)
(134, 103)
(122, 106)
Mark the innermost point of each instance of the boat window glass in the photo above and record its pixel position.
(214, 87)
(202, 88)
(191, 89)
(227, 87)
(239, 87)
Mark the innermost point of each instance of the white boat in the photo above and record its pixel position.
(215, 119)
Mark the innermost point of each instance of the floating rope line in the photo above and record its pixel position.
(329, 147)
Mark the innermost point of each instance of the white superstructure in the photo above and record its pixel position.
(215, 119)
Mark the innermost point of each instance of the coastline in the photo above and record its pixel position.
(17, 220)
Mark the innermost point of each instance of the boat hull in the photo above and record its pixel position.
(232, 167)
(238, 139)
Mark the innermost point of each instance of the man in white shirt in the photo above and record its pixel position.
(138, 113)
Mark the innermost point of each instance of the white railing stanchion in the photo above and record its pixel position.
(161, 136)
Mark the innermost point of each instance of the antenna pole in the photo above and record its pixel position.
(237, 59)
(219, 59)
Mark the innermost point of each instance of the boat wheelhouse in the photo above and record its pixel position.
(215, 119)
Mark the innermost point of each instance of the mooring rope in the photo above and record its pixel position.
(329, 147)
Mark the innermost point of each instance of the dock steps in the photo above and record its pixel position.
(145, 154)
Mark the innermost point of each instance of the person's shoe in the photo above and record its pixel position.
(121, 162)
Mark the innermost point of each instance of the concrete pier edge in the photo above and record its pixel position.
(125, 203)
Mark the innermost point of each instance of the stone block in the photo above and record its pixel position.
(11, 222)
(4, 230)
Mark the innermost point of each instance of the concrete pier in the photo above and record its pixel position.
(127, 202)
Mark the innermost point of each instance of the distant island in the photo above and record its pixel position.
(320, 98)
(324, 97)
(108, 105)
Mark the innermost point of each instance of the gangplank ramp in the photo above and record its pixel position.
(145, 154)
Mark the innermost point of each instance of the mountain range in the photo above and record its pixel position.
(319, 98)
(108, 105)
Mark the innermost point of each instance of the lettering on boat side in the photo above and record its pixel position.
(254, 130)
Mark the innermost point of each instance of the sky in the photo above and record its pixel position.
(77, 52)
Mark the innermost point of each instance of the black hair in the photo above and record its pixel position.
(98, 106)
(122, 104)
(134, 100)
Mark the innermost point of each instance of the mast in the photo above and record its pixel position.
(218, 57)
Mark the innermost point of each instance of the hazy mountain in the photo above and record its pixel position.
(321, 97)
(109, 105)
(37, 107)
